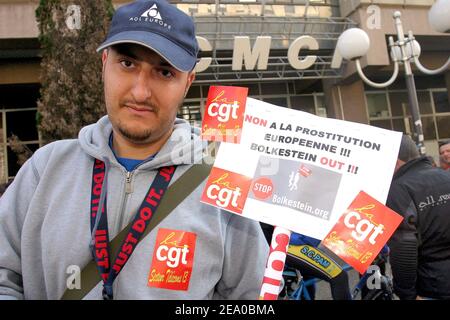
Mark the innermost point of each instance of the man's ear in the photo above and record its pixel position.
(398, 164)
(191, 78)
(104, 58)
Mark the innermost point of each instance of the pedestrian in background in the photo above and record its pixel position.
(444, 154)
(420, 247)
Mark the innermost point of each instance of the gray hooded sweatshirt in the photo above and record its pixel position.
(45, 224)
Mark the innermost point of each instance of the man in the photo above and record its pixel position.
(420, 247)
(444, 154)
(73, 196)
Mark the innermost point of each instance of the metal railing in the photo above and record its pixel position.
(278, 68)
(221, 31)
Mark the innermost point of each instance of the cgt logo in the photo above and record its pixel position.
(224, 103)
(361, 227)
(172, 259)
(171, 253)
(226, 190)
(362, 231)
(224, 116)
(173, 256)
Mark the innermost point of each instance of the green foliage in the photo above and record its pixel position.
(71, 78)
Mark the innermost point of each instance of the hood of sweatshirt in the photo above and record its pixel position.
(183, 147)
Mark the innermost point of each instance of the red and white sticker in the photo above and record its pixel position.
(275, 264)
(304, 171)
(226, 190)
(262, 188)
(224, 114)
(173, 259)
(362, 231)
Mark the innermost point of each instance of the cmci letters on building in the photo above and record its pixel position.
(258, 56)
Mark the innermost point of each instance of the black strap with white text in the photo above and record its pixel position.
(101, 250)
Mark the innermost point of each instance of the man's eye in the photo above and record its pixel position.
(166, 73)
(126, 63)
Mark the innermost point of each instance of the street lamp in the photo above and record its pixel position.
(354, 43)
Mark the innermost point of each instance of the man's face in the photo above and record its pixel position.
(444, 154)
(142, 93)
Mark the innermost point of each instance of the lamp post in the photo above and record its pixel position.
(354, 43)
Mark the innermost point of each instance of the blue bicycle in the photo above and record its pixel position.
(306, 265)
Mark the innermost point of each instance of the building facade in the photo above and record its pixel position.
(282, 50)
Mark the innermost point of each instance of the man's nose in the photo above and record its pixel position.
(141, 90)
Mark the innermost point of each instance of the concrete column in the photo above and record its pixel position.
(346, 102)
(332, 99)
(354, 102)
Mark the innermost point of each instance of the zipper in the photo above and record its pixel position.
(128, 191)
(128, 185)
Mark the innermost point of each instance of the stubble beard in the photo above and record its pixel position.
(135, 136)
(146, 135)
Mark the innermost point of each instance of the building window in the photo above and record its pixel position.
(443, 125)
(17, 117)
(191, 111)
(428, 126)
(377, 105)
(433, 106)
(441, 103)
(399, 104)
(278, 101)
(274, 88)
(385, 124)
(304, 103)
(399, 125)
(321, 109)
(21, 123)
(424, 99)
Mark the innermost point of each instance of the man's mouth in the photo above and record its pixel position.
(139, 109)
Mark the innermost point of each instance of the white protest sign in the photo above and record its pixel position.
(299, 171)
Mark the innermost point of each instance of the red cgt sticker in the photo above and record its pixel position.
(224, 114)
(362, 231)
(226, 190)
(173, 259)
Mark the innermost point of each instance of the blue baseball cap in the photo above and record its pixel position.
(159, 26)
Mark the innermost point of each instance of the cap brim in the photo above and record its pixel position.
(179, 58)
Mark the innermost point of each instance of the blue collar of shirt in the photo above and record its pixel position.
(127, 163)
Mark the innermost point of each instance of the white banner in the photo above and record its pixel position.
(302, 171)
